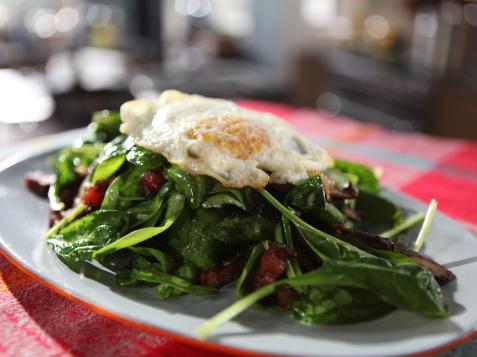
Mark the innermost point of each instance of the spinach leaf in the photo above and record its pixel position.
(308, 196)
(379, 213)
(155, 276)
(166, 292)
(338, 305)
(105, 169)
(330, 215)
(254, 255)
(175, 205)
(147, 212)
(237, 228)
(222, 196)
(147, 159)
(112, 158)
(105, 125)
(195, 188)
(187, 272)
(323, 244)
(162, 261)
(366, 177)
(408, 286)
(192, 237)
(70, 164)
(124, 190)
(81, 238)
(288, 238)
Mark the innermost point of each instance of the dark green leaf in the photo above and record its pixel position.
(308, 196)
(105, 125)
(125, 190)
(192, 237)
(147, 212)
(366, 177)
(166, 292)
(157, 277)
(323, 244)
(255, 253)
(379, 214)
(236, 228)
(195, 188)
(71, 163)
(147, 159)
(175, 205)
(187, 272)
(163, 262)
(409, 287)
(112, 158)
(338, 305)
(330, 215)
(80, 239)
(222, 196)
(105, 169)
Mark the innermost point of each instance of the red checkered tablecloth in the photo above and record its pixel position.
(35, 321)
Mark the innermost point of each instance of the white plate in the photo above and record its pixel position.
(23, 222)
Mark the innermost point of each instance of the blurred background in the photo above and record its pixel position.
(408, 65)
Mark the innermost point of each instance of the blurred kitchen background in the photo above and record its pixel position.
(409, 65)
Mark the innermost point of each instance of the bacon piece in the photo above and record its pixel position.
(371, 240)
(349, 192)
(285, 296)
(333, 193)
(271, 266)
(352, 214)
(152, 181)
(94, 195)
(39, 182)
(54, 218)
(440, 273)
(224, 273)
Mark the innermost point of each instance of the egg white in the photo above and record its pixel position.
(218, 138)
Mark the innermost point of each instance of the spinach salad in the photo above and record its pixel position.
(330, 250)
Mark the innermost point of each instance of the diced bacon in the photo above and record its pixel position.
(152, 181)
(54, 218)
(39, 182)
(94, 195)
(224, 273)
(285, 296)
(272, 265)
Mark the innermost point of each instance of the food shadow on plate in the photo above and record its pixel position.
(404, 324)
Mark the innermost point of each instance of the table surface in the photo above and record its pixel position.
(35, 321)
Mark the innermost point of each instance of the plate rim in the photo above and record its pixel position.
(28, 153)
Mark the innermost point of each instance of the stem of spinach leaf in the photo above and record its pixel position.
(233, 310)
(333, 248)
(407, 224)
(293, 218)
(66, 220)
(289, 242)
(426, 225)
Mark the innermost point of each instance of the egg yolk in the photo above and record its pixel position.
(239, 137)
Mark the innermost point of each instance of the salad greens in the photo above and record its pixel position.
(327, 250)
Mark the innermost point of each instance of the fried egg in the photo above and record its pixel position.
(218, 138)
